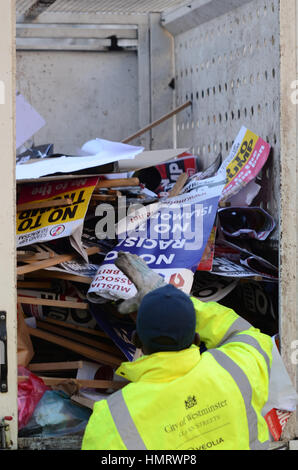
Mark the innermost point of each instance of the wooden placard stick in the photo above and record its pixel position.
(81, 400)
(44, 204)
(104, 198)
(82, 383)
(156, 123)
(25, 253)
(175, 191)
(34, 285)
(60, 275)
(85, 351)
(52, 302)
(43, 325)
(50, 366)
(249, 279)
(54, 261)
(222, 204)
(34, 257)
(117, 183)
(45, 263)
(85, 383)
(83, 329)
(114, 192)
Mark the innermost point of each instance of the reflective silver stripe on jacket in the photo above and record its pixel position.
(247, 339)
(238, 326)
(246, 391)
(233, 336)
(124, 422)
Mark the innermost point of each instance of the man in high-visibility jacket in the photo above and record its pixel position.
(178, 398)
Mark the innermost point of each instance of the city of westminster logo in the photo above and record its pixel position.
(190, 402)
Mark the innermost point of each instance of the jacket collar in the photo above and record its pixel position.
(160, 367)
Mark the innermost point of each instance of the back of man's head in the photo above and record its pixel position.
(166, 320)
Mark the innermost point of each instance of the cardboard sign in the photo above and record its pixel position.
(276, 421)
(94, 153)
(120, 330)
(171, 171)
(172, 242)
(77, 268)
(232, 261)
(210, 288)
(160, 177)
(50, 223)
(208, 173)
(247, 157)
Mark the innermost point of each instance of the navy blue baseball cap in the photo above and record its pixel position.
(166, 320)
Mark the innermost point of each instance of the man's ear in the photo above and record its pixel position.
(136, 340)
(197, 339)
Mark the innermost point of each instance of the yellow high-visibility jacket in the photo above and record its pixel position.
(190, 401)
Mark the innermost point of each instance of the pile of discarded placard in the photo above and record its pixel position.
(196, 227)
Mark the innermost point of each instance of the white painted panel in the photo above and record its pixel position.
(8, 400)
(81, 95)
(162, 73)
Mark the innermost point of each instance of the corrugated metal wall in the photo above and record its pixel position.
(229, 68)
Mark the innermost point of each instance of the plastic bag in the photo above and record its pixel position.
(30, 392)
(282, 393)
(56, 415)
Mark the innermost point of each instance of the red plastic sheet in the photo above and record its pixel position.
(30, 392)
